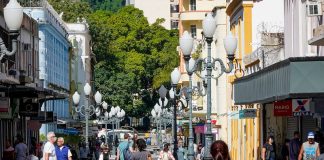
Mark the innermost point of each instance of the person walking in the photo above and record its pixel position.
(310, 148)
(294, 146)
(181, 152)
(83, 152)
(269, 149)
(49, 148)
(104, 155)
(21, 149)
(165, 154)
(31, 155)
(285, 150)
(123, 147)
(9, 151)
(199, 154)
(219, 150)
(141, 154)
(62, 152)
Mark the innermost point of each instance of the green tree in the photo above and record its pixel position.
(132, 56)
(108, 5)
(71, 9)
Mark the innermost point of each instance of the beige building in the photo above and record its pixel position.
(155, 9)
(192, 13)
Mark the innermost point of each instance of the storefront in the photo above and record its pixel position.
(291, 94)
(244, 121)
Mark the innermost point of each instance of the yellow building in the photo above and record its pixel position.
(245, 133)
(192, 13)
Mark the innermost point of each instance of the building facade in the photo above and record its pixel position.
(53, 60)
(280, 73)
(81, 59)
(20, 86)
(157, 9)
(192, 13)
(253, 23)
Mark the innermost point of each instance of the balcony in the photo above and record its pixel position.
(175, 16)
(318, 36)
(192, 15)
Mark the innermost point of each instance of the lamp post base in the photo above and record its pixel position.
(208, 143)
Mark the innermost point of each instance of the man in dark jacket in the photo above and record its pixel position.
(294, 146)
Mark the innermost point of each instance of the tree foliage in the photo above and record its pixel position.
(108, 5)
(133, 56)
(71, 9)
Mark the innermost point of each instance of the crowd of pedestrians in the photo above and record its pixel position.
(294, 149)
(130, 148)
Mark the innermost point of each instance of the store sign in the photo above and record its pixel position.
(282, 108)
(5, 111)
(247, 113)
(301, 107)
(199, 129)
(235, 115)
(29, 109)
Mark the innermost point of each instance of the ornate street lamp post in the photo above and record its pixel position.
(186, 44)
(13, 15)
(175, 77)
(113, 117)
(86, 110)
(156, 114)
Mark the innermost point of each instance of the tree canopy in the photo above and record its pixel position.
(133, 56)
(71, 10)
(108, 5)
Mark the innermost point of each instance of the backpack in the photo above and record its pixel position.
(127, 154)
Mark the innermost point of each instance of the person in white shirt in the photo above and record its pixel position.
(49, 148)
(21, 149)
(32, 155)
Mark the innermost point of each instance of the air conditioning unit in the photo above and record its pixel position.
(314, 8)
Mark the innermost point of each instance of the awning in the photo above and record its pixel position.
(301, 77)
(28, 91)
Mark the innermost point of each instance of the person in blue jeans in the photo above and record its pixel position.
(269, 149)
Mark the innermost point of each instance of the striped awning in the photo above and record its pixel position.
(301, 77)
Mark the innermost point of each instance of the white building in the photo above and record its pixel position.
(155, 9)
(81, 58)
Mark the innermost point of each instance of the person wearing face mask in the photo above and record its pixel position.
(269, 149)
(310, 149)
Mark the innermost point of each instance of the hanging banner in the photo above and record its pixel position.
(301, 107)
(282, 108)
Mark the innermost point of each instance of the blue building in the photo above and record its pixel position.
(53, 60)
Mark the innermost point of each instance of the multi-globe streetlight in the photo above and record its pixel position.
(209, 64)
(13, 15)
(87, 110)
(156, 114)
(114, 116)
(175, 77)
